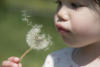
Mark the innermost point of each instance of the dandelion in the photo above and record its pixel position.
(36, 40)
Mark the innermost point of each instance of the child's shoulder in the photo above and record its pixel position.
(64, 54)
(63, 51)
(59, 58)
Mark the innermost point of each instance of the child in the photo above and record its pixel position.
(78, 22)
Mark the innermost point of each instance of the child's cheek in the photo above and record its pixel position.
(82, 28)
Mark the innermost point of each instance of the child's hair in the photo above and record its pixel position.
(97, 2)
(96, 6)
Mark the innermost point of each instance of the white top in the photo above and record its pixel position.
(60, 58)
(63, 58)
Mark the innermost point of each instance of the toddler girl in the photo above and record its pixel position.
(78, 22)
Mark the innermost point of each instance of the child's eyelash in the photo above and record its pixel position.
(74, 5)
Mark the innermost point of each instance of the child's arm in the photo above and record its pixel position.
(12, 62)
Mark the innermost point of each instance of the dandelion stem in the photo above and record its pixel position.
(25, 53)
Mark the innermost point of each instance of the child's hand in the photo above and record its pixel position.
(12, 62)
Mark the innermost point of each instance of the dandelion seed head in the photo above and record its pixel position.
(36, 40)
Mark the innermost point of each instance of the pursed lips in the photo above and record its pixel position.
(62, 29)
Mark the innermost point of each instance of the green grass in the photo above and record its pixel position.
(13, 34)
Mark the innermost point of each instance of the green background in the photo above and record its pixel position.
(13, 30)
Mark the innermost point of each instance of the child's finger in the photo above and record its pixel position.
(19, 65)
(14, 59)
(9, 64)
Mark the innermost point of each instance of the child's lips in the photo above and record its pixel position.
(62, 29)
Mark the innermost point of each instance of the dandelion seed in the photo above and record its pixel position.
(26, 17)
(36, 40)
(24, 12)
(30, 23)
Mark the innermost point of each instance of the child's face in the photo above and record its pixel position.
(77, 22)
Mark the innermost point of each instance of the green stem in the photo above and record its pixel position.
(25, 53)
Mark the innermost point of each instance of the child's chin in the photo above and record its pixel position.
(74, 45)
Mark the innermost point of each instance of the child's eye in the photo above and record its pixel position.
(75, 6)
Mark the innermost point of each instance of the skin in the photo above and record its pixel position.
(83, 25)
(12, 62)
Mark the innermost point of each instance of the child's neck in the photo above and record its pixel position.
(86, 55)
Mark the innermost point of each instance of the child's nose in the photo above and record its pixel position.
(62, 15)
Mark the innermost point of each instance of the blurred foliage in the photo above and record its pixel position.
(13, 30)
(33, 4)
